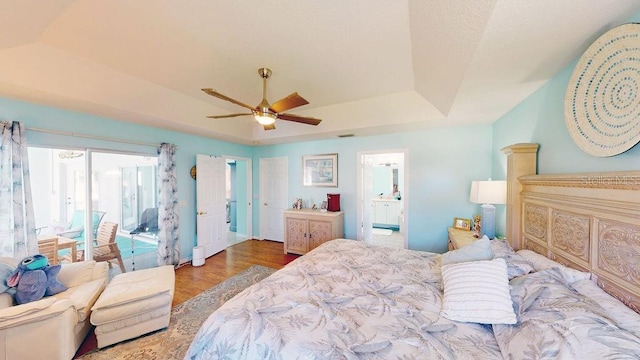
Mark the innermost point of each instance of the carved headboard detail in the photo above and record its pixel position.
(587, 221)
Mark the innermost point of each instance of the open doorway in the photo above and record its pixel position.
(238, 199)
(382, 193)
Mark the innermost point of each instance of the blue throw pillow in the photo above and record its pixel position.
(477, 250)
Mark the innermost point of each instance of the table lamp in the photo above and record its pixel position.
(488, 193)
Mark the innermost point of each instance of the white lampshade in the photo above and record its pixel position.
(488, 192)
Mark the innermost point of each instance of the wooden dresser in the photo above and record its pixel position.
(459, 238)
(304, 230)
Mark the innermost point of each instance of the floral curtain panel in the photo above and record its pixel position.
(168, 244)
(17, 223)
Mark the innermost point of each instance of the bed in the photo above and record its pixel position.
(575, 235)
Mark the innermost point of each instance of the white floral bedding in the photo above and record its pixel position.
(347, 300)
(557, 322)
(344, 300)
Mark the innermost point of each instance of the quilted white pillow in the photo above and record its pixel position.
(477, 292)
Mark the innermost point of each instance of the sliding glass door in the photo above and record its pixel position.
(123, 186)
(138, 193)
(129, 181)
(57, 182)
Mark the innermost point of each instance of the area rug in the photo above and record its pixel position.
(186, 318)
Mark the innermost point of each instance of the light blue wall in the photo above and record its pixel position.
(540, 119)
(442, 164)
(38, 116)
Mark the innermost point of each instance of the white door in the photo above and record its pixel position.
(380, 212)
(368, 211)
(72, 188)
(273, 197)
(210, 204)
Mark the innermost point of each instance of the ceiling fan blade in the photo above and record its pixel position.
(224, 97)
(292, 101)
(270, 127)
(299, 119)
(228, 116)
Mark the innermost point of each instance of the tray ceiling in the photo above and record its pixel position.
(366, 67)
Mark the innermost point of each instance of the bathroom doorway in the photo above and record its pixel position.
(238, 198)
(382, 198)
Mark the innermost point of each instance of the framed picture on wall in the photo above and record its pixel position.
(320, 170)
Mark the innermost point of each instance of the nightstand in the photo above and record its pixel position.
(459, 238)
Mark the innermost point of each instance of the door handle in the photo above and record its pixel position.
(202, 213)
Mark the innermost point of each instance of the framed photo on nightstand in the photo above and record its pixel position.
(462, 224)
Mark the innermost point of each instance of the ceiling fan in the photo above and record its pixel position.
(265, 113)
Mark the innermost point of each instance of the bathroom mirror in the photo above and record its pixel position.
(394, 184)
(385, 181)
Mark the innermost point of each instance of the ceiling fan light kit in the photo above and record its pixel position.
(266, 114)
(265, 118)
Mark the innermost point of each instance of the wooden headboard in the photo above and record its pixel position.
(587, 221)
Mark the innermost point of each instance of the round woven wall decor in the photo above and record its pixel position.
(602, 102)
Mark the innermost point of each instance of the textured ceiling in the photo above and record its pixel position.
(366, 66)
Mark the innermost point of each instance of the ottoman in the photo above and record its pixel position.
(133, 304)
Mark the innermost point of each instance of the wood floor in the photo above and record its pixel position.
(190, 280)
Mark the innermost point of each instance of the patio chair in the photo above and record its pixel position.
(107, 248)
(75, 229)
(49, 248)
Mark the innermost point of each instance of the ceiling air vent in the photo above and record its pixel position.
(346, 135)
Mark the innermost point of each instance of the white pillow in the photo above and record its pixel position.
(543, 263)
(477, 292)
(477, 250)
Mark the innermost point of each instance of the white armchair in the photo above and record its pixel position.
(56, 325)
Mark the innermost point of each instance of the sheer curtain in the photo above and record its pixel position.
(168, 244)
(17, 224)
